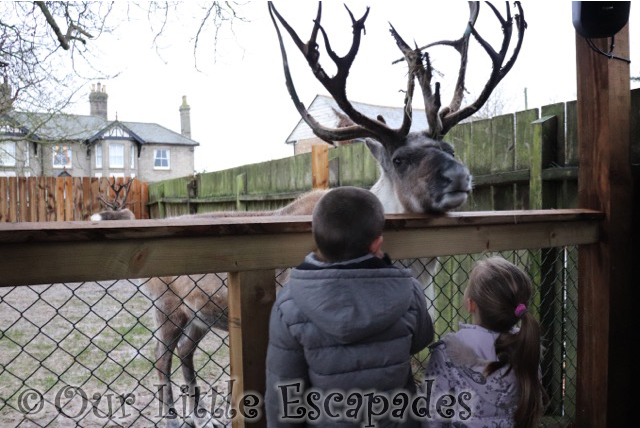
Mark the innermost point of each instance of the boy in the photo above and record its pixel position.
(347, 321)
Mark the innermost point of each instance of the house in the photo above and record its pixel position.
(326, 111)
(37, 144)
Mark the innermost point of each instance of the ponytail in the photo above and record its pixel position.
(501, 291)
(521, 351)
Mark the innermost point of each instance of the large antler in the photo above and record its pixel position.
(117, 205)
(336, 86)
(442, 120)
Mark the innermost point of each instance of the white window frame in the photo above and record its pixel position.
(8, 153)
(98, 175)
(132, 155)
(156, 152)
(116, 162)
(7, 173)
(55, 151)
(99, 155)
(116, 174)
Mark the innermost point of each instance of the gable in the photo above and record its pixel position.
(324, 108)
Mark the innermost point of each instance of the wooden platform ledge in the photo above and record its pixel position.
(41, 253)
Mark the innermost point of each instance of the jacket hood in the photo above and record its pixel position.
(470, 350)
(351, 304)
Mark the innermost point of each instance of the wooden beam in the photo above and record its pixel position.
(251, 295)
(139, 249)
(320, 167)
(604, 321)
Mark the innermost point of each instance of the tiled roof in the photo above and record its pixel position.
(322, 109)
(79, 127)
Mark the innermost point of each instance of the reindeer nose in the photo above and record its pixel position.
(457, 177)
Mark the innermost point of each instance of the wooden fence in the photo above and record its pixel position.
(525, 160)
(29, 199)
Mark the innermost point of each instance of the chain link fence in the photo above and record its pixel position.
(86, 354)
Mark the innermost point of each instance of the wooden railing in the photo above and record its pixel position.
(250, 249)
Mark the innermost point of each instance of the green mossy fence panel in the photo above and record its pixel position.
(557, 110)
(503, 160)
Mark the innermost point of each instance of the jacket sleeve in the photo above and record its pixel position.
(287, 372)
(423, 334)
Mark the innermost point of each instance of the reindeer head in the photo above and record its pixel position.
(419, 170)
(116, 208)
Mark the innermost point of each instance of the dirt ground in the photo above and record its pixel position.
(98, 337)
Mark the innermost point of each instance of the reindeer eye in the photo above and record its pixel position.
(401, 163)
(448, 148)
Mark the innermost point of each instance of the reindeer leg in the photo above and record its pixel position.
(186, 348)
(169, 332)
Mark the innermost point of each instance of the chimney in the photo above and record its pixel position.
(185, 118)
(98, 100)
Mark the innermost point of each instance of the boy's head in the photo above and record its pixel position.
(346, 221)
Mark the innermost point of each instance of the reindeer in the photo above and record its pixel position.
(117, 210)
(419, 173)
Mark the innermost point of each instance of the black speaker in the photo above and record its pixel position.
(600, 19)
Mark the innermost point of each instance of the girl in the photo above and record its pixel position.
(490, 369)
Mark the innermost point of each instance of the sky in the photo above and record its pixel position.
(241, 112)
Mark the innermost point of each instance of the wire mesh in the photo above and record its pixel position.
(91, 354)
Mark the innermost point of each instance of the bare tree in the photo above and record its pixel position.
(46, 47)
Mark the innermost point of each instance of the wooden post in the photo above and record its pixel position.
(251, 295)
(241, 189)
(543, 196)
(320, 167)
(605, 328)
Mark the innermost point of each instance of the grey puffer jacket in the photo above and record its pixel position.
(343, 327)
(456, 366)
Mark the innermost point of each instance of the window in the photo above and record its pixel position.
(133, 175)
(98, 175)
(98, 155)
(162, 159)
(116, 155)
(7, 173)
(61, 157)
(8, 153)
(117, 174)
(132, 151)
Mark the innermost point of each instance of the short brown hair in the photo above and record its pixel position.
(345, 223)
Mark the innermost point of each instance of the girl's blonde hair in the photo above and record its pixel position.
(501, 292)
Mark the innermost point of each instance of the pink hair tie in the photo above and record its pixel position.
(520, 310)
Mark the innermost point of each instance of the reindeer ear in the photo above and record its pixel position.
(377, 150)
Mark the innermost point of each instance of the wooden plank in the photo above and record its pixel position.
(319, 167)
(77, 202)
(241, 189)
(68, 198)
(481, 161)
(140, 257)
(524, 142)
(542, 156)
(13, 199)
(251, 296)
(51, 199)
(59, 199)
(86, 198)
(241, 224)
(95, 192)
(42, 199)
(144, 199)
(32, 186)
(503, 159)
(23, 200)
(605, 183)
(557, 110)
(4, 199)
